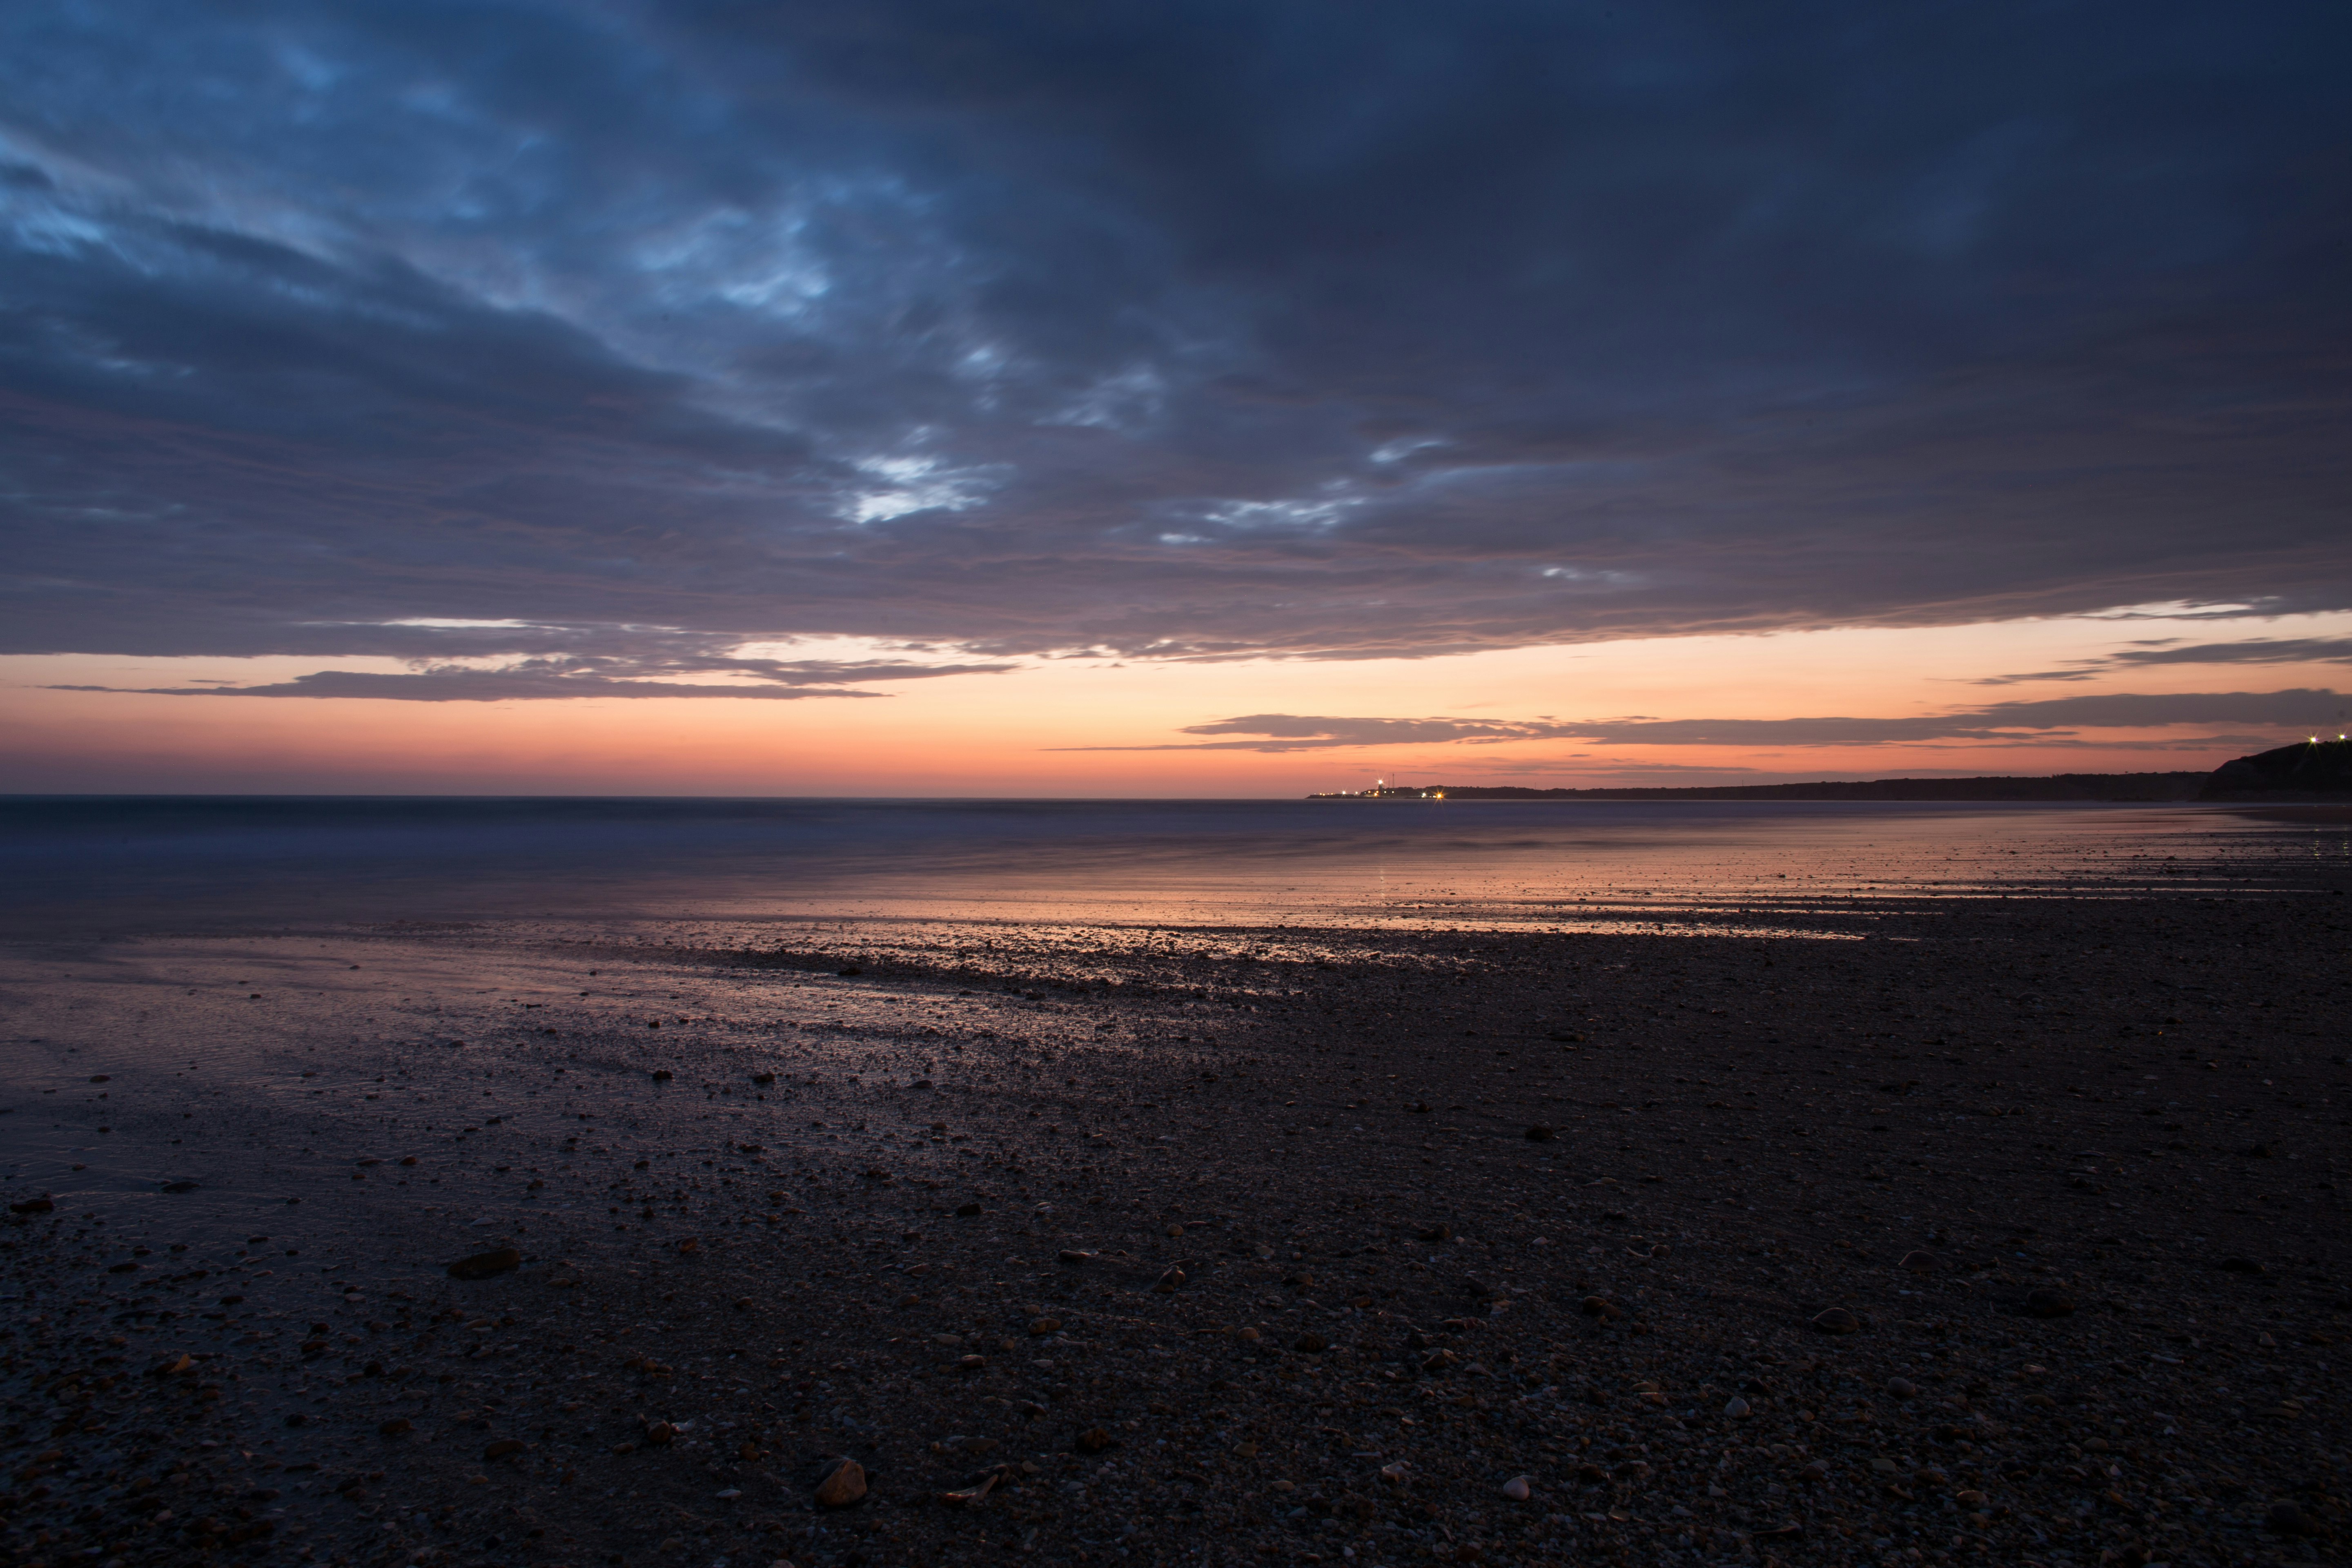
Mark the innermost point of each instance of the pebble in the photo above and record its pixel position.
(502, 1447)
(1041, 1327)
(2286, 1519)
(1518, 1488)
(483, 1265)
(844, 1486)
(1093, 1440)
(2047, 1303)
(970, 1495)
(1902, 1387)
(1170, 1282)
(398, 1426)
(1921, 1262)
(1538, 1133)
(2241, 1266)
(1837, 1320)
(661, 1434)
(1735, 1407)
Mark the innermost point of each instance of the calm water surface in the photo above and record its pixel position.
(248, 994)
(126, 863)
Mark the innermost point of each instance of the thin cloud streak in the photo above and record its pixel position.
(2253, 650)
(2052, 719)
(539, 679)
(470, 686)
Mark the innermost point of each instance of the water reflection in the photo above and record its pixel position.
(128, 865)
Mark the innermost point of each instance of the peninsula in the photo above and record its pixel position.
(2313, 770)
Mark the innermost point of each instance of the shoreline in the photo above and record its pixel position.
(1745, 1131)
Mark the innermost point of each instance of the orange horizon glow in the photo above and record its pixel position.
(1053, 728)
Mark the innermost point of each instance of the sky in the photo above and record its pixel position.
(1166, 399)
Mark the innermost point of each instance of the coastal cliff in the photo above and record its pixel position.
(2309, 770)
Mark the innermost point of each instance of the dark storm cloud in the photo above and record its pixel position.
(1201, 330)
(2052, 720)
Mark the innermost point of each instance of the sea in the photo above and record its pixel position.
(121, 865)
(214, 1011)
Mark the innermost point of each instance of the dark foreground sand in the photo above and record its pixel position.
(2076, 1171)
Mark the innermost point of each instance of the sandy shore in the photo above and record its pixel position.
(1191, 1246)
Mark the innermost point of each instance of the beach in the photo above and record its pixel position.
(1897, 1220)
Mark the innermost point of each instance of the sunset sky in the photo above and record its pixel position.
(1173, 399)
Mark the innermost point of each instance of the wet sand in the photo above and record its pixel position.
(1449, 1208)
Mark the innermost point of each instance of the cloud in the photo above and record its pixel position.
(1205, 329)
(470, 686)
(562, 677)
(2053, 721)
(2254, 651)
(2089, 669)
(2251, 650)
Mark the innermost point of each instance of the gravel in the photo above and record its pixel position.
(1156, 1245)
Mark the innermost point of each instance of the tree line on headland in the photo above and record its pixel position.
(2314, 770)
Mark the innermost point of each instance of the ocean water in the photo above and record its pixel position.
(124, 865)
(249, 994)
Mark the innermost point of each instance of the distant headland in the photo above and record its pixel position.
(2313, 770)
